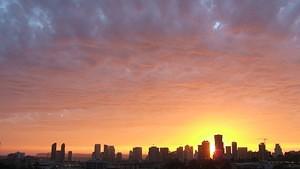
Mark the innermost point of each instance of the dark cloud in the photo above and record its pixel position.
(35, 24)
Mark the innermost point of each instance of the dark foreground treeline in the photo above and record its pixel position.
(290, 161)
(210, 164)
(195, 164)
(13, 164)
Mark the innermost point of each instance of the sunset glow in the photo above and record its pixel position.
(143, 73)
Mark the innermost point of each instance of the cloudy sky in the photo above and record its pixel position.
(138, 72)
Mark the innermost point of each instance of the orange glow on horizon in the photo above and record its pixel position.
(192, 132)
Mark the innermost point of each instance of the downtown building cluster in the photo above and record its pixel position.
(59, 155)
(107, 157)
(183, 153)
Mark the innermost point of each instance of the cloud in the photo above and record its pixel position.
(113, 59)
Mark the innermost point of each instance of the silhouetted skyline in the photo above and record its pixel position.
(205, 151)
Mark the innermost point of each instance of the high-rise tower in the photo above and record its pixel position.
(97, 150)
(234, 150)
(137, 153)
(219, 147)
(62, 152)
(53, 151)
(204, 151)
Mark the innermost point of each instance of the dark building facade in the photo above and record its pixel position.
(262, 152)
(70, 154)
(97, 152)
(234, 150)
(188, 153)
(164, 153)
(137, 154)
(58, 155)
(219, 147)
(109, 153)
(53, 151)
(204, 151)
(153, 154)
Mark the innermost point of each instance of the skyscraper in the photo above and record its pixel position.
(112, 153)
(228, 150)
(97, 151)
(200, 152)
(219, 147)
(109, 153)
(58, 155)
(204, 151)
(262, 152)
(188, 153)
(234, 150)
(53, 151)
(137, 154)
(180, 154)
(164, 153)
(228, 154)
(153, 154)
(277, 151)
(62, 152)
(105, 152)
(70, 156)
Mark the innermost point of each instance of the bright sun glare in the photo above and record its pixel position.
(212, 149)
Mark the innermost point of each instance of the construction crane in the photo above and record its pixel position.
(264, 140)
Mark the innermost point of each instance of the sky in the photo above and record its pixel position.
(142, 73)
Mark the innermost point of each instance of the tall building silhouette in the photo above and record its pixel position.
(70, 155)
(219, 147)
(180, 153)
(228, 150)
(153, 154)
(53, 151)
(204, 151)
(164, 153)
(262, 152)
(228, 153)
(277, 151)
(62, 152)
(234, 150)
(200, 152)
(105, 152)
(137, 154)
(97, 151)
(109, 153)
(58, 155)
(188, 153)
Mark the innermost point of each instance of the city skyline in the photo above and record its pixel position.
(142, 73)
(182, 153)
(125, 149)
(228, 157)
(215, 149)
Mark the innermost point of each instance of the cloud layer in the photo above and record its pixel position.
(128, 62)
